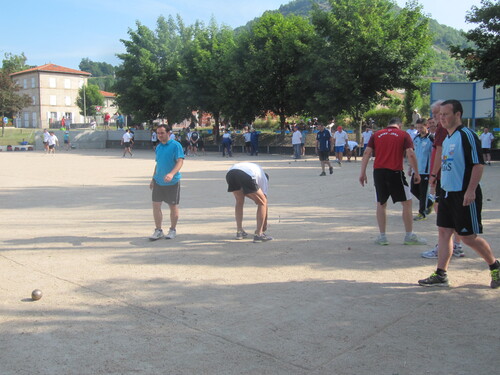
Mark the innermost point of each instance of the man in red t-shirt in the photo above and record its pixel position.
(392, 145)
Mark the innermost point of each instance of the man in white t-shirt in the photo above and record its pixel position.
(412, 131)
(126, 141)
(486, 139)
(249, 180)
(296, 142)
(46, 136)
(340, 137)
(52, 142)
(366, 135)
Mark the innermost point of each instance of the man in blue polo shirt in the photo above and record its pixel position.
(460, 200)
(165, 183)
(423, 150)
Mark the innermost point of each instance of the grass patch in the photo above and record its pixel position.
(14, 136)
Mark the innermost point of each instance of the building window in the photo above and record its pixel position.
(67, 100)
(52, 83)
(33, 83)
(25, 83)
(33, 100)
(26, 119)
(35, 122)
(67, 83)
(53, 100)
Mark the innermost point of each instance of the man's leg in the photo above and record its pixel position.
(174, 215)
(480, 246)
(407, 216)
(445, 246)
(381, 217)
(157, 214)
(261, 201)
(239, 196)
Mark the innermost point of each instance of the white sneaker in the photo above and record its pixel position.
(171, 234)
(431, 254)
(381, 240)
(157, 235)
(457, 250)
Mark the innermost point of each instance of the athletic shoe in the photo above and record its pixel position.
(495, 278)
(381, 240)
(431, 254)
(419, 217)
(434, 280)
(241, 235)
(413, 239)
(457, 250)
(331, 170)
(323, 174)
(428, 211)
(171, 234)
(262, 238)
(157, 235)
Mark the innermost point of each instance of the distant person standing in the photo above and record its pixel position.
(412, 131)
(423, 151)
(254, 142)
(249, 180)
(154, 139)
(248, 144)
(366, 135)
(486, 140)
(340, 137)
(165, 184)
(460, 201)
(126, 142)
(67, 143)
(52, 143)
(46, 136)
(107, 119)
(392, 145)
(324, 144)
(296, 142)
(226, 143)
(415, 116)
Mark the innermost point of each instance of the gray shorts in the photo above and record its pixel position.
(169, 194)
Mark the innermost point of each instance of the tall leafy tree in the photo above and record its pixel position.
(364, 49)
(483, 60)
(88, 98)
(14, 63)
(272, 61)
(10, 101)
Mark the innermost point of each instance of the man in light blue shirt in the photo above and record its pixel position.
(165, 183)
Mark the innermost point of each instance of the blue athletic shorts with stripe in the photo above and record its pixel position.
(466, 220)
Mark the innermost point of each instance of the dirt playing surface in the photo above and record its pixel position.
(320, 298)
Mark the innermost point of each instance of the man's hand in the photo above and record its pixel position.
(152, 184)
(363, 179)
(469, 197)
(416, 178)
(168, 177)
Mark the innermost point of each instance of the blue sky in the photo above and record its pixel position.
(65, 31)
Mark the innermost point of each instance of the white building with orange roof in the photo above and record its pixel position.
(53, 90)
(109, 103)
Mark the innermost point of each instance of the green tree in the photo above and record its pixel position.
(88, 98)
(103, 74)
(271, 61)
(14, 63)
(365, 49)
(151, 78)
(10, 101)
(483, 60)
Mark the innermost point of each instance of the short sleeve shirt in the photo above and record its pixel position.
(323, 139)
(167, 155)
(390, 145)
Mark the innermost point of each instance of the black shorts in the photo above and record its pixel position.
(486, 150)
(169, 194)
(466, 220)
(248, 144)
(389, 183)
(126, 144)
(438, 190)
(239, 180)
(324, 155)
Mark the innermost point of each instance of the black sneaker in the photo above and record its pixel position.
(495, 278)
(331, 170)
(434, 280)
(262, 238)
(323, 174)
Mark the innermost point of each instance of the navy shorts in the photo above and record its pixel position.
(324, 155)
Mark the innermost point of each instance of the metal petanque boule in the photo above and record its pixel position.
(36, 294)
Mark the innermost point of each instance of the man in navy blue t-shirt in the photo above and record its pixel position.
(324, 142)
